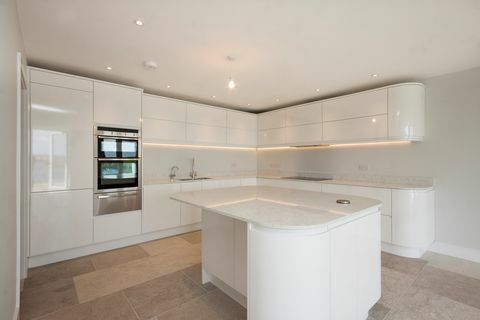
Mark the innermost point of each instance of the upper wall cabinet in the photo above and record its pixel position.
(61, 132)
(117, 105)
(395, 112)
(178, 122)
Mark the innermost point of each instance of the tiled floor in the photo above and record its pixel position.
(161, 280)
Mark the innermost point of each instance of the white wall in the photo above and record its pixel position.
(10, 43)
(157, 161)
(450, 154)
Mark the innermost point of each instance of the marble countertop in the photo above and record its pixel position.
(281, 208)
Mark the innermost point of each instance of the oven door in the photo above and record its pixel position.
(117, 174)
(115, 147)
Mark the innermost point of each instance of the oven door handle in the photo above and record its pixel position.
(118, 159)
(117, 195)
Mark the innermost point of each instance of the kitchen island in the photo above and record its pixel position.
(291, 254)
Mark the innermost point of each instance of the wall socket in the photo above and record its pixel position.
(363, 167)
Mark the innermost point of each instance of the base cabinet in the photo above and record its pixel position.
(159, 211)
(190, 214)
(60, 220)
(116, 226)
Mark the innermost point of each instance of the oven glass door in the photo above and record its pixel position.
(117, 174)
(117, 148)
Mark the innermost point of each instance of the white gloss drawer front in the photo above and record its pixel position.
(356, 129)
(355, 106)
(163, 130)
(304, 114)
(163, 109)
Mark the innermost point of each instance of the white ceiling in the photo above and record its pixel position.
(284, 49)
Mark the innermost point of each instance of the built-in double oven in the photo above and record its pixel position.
(117, 166)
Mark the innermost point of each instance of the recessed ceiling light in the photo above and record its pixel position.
(213, 97)
(108, 68)
(139, 23)
(373, 75)
(248, 104)
(277, 100)
(317, 90)
(168, 86)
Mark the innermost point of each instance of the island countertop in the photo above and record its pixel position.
(281, 208)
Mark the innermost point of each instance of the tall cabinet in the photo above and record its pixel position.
(61, 161)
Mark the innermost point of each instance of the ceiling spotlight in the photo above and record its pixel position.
(108, 68)
(213, 97)
(139, 23)
(278, 100)
(373, 75)
(168, 86)
(152, 65)
(248, 104)
(317, 90)
(231, 84)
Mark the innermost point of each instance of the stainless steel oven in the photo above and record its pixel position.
(117, 170)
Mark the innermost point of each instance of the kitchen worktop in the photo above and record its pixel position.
(280, 208)
(199, 179)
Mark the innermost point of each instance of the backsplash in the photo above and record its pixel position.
(158, 160)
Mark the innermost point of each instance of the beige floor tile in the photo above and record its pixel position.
(378, 312)
(111, 307)
(195, 273)
(420, 304)
(395, 284)
(46, 298)
(56, 271)
(164, 246)
(102, 282)
(193, 237)
(465, 267)
(159, 295)
(175, 260)
(449, 284)
(118, 256)
(214, 305)
(401, 264)
(471, 269)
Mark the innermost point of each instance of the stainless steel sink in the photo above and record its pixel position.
(307, 178)
(192, 179)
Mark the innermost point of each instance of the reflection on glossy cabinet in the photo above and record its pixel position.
(159, 211)
(62, 138)
(117, 105)
(406, 111)
(60, 220)
(190, 214)
(362, 104)
(116, 226)
(368, 128)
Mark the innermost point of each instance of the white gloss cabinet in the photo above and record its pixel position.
(241, 129)
(368, 128)
(117, 105)
(155, 107)
(207, 116)
(116, 226)
(357, 105)
(272, 120)
(190, 214)
(61, 138)
(304, 114)
(60, 220)
(406, 111)
(304, 134)
(163, 130)
(159, 211)
(198, 133)
(272, 137)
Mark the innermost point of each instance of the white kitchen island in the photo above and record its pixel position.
(290, 254)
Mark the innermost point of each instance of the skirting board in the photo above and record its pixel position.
(16, 313)
(403, 251)
(456, 251)
(109, 245)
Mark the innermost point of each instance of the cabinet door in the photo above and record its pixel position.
(208, 116)
(190, 214)
(406, 111)
(163, 109)
(306, 114)
(60, 220)
(386, 229)
(215, 184)
(117, 226)
(159, 211)
(304, 134)
(271, 120)
(241, 254)
(272, 137)
(356, 129)
(60, 80)
(163, 130)
(117, 105)
(218, 250)
(242, 121)
(356, 105)
(62, 138)
(206, 134)
(239, 137)
(380, 194)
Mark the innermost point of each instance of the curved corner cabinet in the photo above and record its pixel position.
(393, 113)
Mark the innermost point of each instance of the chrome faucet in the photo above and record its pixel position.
(193, 172)
(173, 173)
